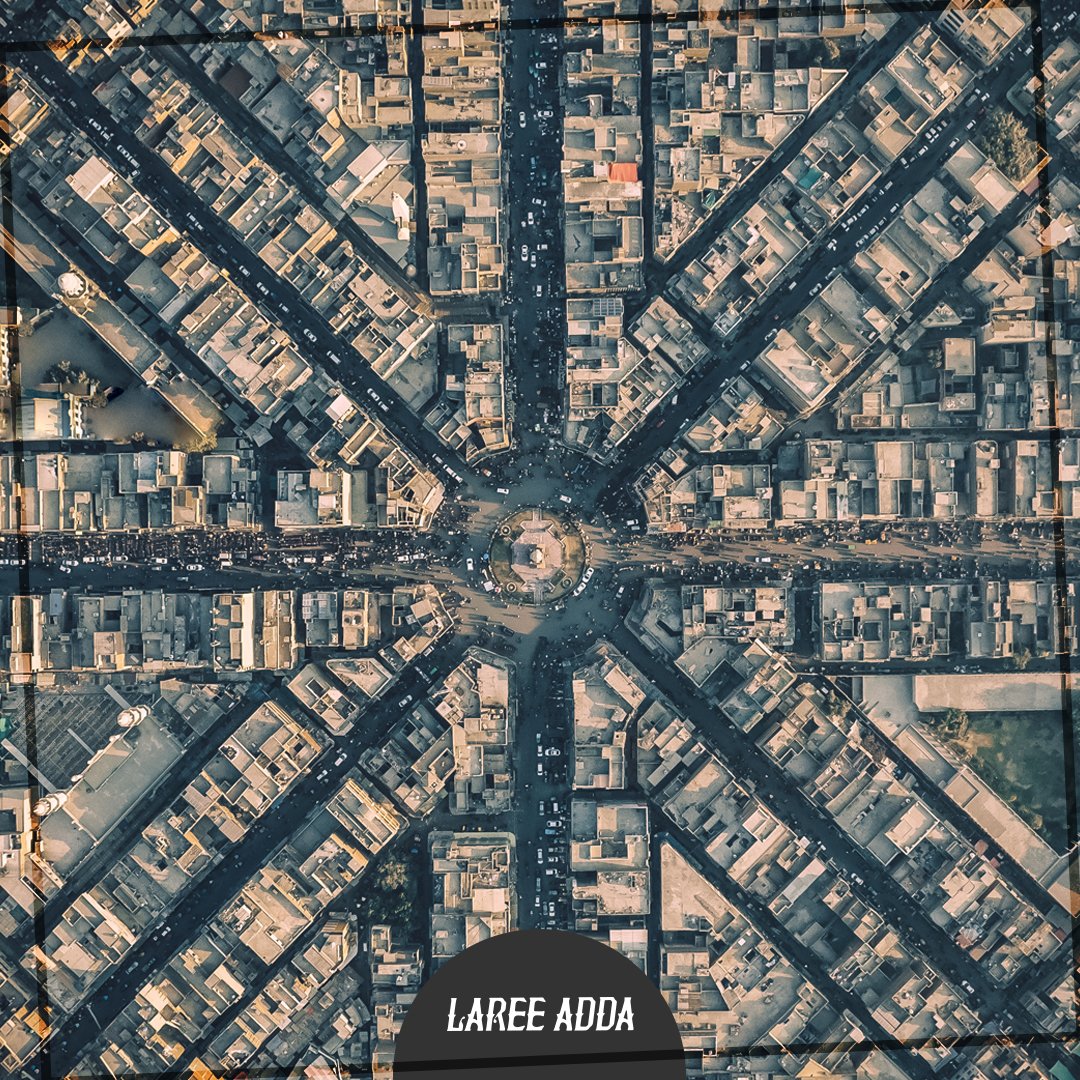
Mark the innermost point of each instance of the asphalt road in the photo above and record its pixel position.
(547, 644)
(202, 903)
(278, 299)
(751, 765)
(820, 262)
(535, 303)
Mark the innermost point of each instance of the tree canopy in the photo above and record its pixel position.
(392, 894)
(1005, 140)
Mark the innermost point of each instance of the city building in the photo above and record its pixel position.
(473, 890)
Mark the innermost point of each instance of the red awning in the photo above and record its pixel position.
(623, 171)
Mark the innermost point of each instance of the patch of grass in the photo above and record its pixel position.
(573, 556)
(500, 552)
(1020, 755)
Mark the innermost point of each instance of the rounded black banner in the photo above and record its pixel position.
(542, 1005)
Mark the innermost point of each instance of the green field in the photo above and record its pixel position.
(1020, 755)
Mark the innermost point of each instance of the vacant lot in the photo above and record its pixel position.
(1021, 756)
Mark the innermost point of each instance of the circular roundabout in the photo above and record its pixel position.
(536, 556)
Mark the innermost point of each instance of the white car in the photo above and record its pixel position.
(521, 119)
(524, 252)
(469, 565)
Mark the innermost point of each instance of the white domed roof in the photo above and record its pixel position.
(71, 284)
